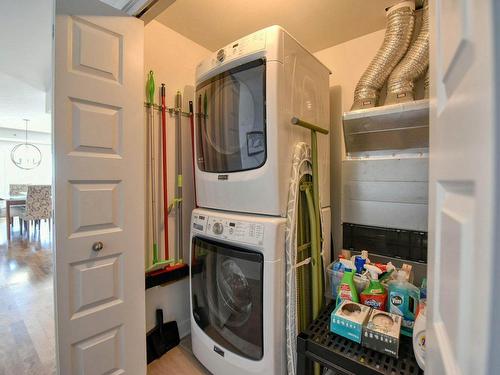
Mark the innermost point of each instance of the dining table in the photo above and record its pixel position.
(12, 200)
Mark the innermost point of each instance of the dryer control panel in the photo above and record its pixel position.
(238, 49)
(230, 230)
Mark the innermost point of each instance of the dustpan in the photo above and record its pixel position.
(162, 338)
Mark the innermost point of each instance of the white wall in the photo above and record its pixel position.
(10, 174)
(173, 59)
(347, 61)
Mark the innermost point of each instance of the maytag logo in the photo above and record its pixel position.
(219, 351)
(223, 177)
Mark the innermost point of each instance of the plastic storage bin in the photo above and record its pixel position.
(333, 279)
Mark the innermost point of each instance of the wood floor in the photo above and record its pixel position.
(27, 335)
(179, 361)
(27, 344)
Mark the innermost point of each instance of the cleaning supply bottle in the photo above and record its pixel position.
(419, 335)
(359, 263)
(403, 299)
(374, 295)
(423, 289)
(347, 289)
(338, 266)
(360, 260)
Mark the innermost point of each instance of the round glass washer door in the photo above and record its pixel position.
(234, 292)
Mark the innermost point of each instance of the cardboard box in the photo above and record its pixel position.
(348, 318)
(381, 332)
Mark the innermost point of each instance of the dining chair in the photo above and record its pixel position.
(15, 211)
(38, 206)
(17, 189)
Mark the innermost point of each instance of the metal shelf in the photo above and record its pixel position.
(343, 356)
(402, 126)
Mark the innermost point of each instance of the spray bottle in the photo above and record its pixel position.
(347, 289)
(374, 295)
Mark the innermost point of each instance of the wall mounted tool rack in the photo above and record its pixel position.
(176, 272)
(171, 111)
(159, 278)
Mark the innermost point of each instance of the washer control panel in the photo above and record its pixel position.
(231, 230)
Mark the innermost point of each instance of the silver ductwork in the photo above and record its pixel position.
(400, 24)
(426, 85)
(413, 65)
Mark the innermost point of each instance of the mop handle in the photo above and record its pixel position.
(153, 183)
(178, 129)
(164, 162)
(191, 121)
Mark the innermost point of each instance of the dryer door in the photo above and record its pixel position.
(226, 289)
(231, 132)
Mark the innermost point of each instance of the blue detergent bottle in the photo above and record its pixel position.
(403, 299)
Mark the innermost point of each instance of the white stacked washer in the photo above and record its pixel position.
(237, 271)
(246, 95)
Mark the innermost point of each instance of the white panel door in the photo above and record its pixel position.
(99, 193)
(462, 189)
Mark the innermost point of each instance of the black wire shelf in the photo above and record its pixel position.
(346, 357)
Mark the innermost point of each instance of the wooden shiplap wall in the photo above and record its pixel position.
(386, 192)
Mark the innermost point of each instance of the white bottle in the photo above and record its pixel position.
(419, 335)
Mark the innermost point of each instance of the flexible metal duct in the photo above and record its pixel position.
(412, 66)
(400, 23)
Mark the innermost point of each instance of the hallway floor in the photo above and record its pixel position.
(27, 343)
(27, 332)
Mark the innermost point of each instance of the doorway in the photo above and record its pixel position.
(26, 251)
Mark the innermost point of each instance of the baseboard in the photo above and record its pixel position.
(184, 328)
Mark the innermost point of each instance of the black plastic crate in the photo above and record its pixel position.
(346, 357)
(390, 242)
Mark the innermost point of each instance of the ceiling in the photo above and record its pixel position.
(25, 63)
(18, 101)
(317, 24)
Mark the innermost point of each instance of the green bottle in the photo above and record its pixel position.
(347, 289)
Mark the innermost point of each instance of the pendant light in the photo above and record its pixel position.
(26, 155)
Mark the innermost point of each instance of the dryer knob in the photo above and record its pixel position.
(221, 55)
(218, 228)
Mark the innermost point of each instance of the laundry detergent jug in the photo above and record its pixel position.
(403, 299)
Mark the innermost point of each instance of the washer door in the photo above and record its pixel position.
(226, 288)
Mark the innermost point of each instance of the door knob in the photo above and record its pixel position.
(97, 246)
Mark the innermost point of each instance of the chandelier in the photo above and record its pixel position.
(26, 155)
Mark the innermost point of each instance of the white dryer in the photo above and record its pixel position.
(246, 95)
(237, 288)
